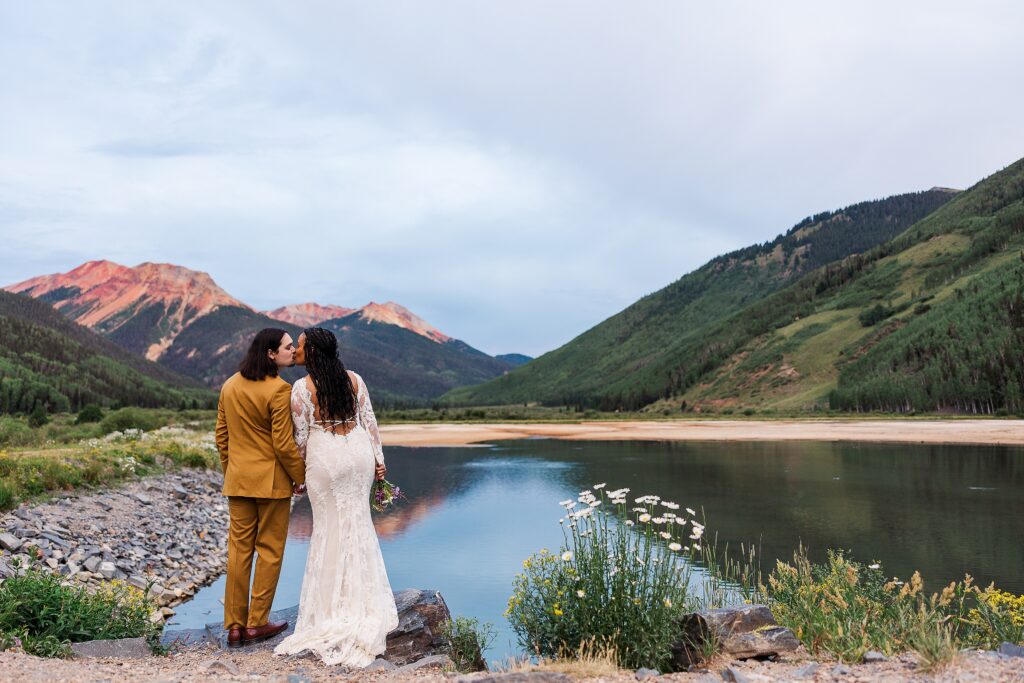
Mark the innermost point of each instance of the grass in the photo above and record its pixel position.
(63, 456)
(43, 614)
(466, 639)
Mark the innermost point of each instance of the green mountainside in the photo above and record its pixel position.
(402, 365)
(928, 321)
(641, 354)
(49, 360)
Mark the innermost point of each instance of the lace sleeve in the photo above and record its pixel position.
(299, 417)
(369, 422)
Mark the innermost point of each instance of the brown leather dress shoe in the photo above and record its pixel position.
(269, 630)
(234, 637)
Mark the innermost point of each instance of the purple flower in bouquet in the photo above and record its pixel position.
(384, 494)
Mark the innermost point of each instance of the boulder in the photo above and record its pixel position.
(421, 614)
(744, 632)
(10, 541)
(130, 648)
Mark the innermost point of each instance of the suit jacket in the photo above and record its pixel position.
(254, 437)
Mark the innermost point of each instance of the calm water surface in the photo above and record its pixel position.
(474, 514)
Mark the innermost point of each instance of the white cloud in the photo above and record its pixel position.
(513, 173)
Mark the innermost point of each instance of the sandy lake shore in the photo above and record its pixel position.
(961, 431)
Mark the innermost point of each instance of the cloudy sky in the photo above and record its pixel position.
(512, 172)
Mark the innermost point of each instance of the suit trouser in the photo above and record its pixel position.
(257, 525)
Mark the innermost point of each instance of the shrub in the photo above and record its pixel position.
(874, 315)
(90, 413)
(38, 416)
(47, 615)
(466, 641)
(845, 608)
(129, 418)
(619, 579)
(14, 432)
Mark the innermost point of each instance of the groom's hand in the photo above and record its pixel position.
(298, 489)
(381, 472)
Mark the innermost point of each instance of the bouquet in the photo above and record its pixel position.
(383, 494)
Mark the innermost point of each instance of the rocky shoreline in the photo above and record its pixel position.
(166, 534)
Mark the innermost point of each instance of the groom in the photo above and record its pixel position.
(262, 468)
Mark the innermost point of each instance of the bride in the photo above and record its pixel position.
(346, 607)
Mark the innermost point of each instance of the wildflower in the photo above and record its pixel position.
(658, 520)
(644, 517)
(671, 506)
(675, 547)
(691, 511)
(599, 486)
(558, 612)
(695, 546)
(668, 603)
(874, 566)
(568, 503)
(629, 522)
(594, 503)
(567, 556)
(585, 494)
(639, 509)
(581, 593)
(666, 535)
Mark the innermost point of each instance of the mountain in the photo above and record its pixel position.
(392, 357)
(514, 359)
(308, 314)
(390, 313)
(184, 321)
(143, 308)
(47, 359)
(663, 342)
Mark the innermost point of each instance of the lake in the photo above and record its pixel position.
(475, 513)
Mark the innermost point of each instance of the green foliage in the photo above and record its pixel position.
(47, 615)
(15, 432)
(874, 315)
(466, 639)
(49, 360)
(38, 417)
(27, 474)
(129, 418)
(618, 579)
(963, 355)
(669, 340)
(845, 608)
(90, 413)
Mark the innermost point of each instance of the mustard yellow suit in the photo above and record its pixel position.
(261, 463)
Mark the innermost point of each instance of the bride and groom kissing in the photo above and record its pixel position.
(319, 437)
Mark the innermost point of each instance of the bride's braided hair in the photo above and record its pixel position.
(334, 393)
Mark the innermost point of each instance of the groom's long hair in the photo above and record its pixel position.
(334, 395)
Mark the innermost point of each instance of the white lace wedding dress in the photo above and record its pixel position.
(346, 607)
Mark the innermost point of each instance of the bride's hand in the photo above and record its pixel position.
(381, 472)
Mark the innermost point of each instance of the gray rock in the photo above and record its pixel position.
(518, 677)
(143, 498)
(379, 665)
(643, 674)
(128, 648)
(179, 492)
(421, 614)
(735, 675)
(108, 570)
(807, 670)
(431, 662)
(55, 539)
(92, 564)
(1011, 650)
(873, 657)
(10, 542)
(745, 632)
(841, 670)
(69, 569)
(220, 665)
